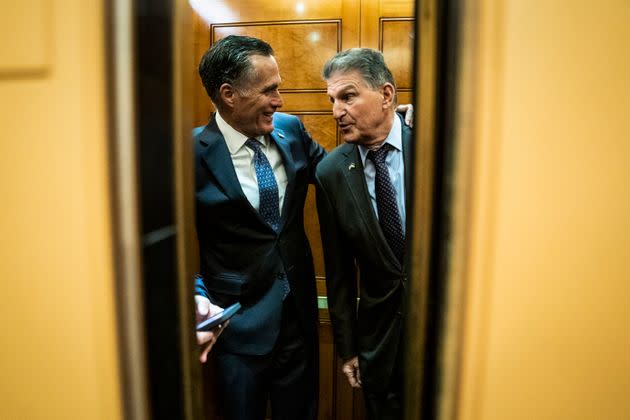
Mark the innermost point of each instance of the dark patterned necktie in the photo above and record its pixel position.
(269, 205)
(388, 214)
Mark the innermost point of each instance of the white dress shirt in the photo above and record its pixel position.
(243, 161)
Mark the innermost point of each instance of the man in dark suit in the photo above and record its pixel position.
(252, 169)
(361, 200)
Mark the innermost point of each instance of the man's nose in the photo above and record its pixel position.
(277, 100)
(337, 110)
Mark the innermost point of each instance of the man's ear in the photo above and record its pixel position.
(227, 93)
(389, 92)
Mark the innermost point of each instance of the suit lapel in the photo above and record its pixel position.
(219, 163)
(407, 157)
(354, 173)
(218, 160)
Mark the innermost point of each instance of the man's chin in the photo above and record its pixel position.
(265, 129)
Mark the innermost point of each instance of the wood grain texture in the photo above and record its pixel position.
(396, 43)
(301, 48)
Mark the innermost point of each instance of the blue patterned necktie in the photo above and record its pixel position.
(269, 205)
(388, 214)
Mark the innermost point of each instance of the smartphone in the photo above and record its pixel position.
(219, 318)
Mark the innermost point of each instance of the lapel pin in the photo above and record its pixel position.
(280, 135)
(351, 166)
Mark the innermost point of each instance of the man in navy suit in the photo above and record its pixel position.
(362, 203)
(252, 169)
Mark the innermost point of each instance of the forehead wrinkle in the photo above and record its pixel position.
(346, 86)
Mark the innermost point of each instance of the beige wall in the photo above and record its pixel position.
(547, 332)
(57, 341)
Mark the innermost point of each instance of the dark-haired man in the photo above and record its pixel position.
(252, 169)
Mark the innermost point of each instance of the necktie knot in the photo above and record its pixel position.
(253, 144)
(379, 155)
(268, 205)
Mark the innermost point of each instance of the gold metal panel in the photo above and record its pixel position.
(26, 32)
(422, 217)
(301, 47)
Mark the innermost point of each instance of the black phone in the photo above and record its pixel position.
(219, 318)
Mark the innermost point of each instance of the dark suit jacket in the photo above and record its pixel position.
(241, 257)
(351, 234)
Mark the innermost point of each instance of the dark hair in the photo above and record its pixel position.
(368, 62)
(228, 61)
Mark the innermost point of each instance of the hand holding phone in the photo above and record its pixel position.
(213, 321)
(219, 318)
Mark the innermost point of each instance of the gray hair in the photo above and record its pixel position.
(228, 61)
(368, 62)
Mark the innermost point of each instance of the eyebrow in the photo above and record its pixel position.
(272, 86)
(344, 89)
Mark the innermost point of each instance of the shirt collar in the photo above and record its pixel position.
(394, 138)
(234, 139)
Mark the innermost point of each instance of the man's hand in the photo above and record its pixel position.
(351, 370)
(408, 110)
(204, 310)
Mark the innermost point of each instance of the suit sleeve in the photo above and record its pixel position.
(200, 287)
(341, 284)
(314, 151)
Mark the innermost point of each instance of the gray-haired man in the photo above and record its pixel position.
(362, 206)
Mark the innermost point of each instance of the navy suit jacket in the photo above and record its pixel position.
(241, 256)
(352, 237)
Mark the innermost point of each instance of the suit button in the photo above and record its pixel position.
(400, 314)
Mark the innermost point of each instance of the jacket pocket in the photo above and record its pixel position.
(225, 283)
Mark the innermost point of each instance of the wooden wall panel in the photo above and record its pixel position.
(297, 102)
(237, 11)
(323, 129)
(396, 43)
(405, 97)
(327, 372)
(202, 107)
(301, 48)
(373, 10)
